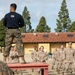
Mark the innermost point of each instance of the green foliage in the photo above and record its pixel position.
(72, 27)
(63, 21)
(42, 26)
(2, 34)
(27, 24)
(59, 27)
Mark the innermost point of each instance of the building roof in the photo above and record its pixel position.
(48, 37)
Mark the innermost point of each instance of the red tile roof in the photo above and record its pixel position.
(48, 37)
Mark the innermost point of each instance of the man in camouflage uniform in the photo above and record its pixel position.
(69, 57)
(34, 54)
(61, 58)
(13, 21)
(55, 57)
(43, 56)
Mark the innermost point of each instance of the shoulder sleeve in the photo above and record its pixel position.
(4, 21)
(21, 21)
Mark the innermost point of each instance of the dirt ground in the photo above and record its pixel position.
(33, 72)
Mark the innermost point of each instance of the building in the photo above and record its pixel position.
(50, 41)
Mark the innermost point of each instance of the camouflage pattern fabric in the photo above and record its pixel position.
(69, 57)
(10, 35)
(43, 56)
(55, 57)
(4, 70)
(34, 56)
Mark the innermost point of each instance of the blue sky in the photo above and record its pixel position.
(39, 8)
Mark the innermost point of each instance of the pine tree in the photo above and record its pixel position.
(59, 27)
(63, 21)
(26, 16)
(2, 34)
(72, 27)
(42, 26)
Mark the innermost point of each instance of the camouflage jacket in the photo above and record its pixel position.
(5, 70)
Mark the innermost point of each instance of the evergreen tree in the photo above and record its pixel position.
(26, 16)
(63, 21)
(72, 27)
(2, 34)
(42, 26)
(59, 27)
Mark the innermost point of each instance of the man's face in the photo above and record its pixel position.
(42, 48)
(70, 45)
(62, 47)
(12, 9)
